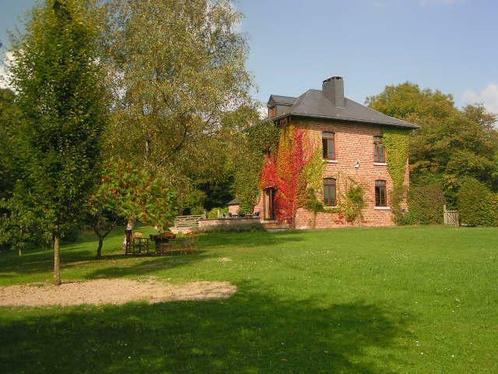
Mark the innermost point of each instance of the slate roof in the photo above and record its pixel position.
(314, 104)
(282, 100)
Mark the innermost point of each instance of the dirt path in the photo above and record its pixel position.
(111, 291)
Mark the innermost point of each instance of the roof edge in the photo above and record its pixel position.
(408, 126)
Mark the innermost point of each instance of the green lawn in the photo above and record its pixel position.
(418, 300)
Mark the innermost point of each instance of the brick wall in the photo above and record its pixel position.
(353, 143)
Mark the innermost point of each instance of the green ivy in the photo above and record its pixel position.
(354, 202)
(396, 143)
(255, 141)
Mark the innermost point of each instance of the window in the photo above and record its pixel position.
(379, 153)
(328, 145)
(380, 193)
(329, 192)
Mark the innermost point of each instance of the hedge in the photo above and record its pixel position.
(477, 205)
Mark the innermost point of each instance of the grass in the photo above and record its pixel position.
(413, 299)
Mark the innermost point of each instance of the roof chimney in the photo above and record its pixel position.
(333, 89)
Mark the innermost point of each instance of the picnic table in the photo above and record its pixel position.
(173, 244)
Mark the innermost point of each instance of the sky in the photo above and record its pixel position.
(450, 45)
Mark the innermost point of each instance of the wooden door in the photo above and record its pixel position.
(269, 204)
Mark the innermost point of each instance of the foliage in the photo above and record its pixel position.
(425, 204)
(10, 145)
(193, 203)
(217, 213)
(477, 205)
(451, 143)
(218, 193)
(10, 171)
(288, 166)
(296, 171)
(353, 202)
(21, 224)
(396, 142)
(63, 102)
(313, 176)
(250, 161)
(134, 193)
(177, 68)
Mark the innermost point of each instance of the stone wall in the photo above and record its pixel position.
(207, 224)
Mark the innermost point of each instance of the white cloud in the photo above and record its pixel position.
(488, 97)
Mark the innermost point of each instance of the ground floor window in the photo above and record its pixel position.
(380, 193)
(329, 192)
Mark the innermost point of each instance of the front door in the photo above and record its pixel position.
(269, 203)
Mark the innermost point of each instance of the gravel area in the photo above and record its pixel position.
(111, 291)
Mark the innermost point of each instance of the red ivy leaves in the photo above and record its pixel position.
(285, 173)
(269, 173)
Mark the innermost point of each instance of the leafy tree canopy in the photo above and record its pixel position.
(58, 80)
(451, 142)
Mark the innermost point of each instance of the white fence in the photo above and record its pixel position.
(451, 217)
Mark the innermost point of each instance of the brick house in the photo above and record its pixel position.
(352, 147)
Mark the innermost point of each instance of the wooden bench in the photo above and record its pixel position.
(177, 245)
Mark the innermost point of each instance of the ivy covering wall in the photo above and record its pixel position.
(295, 169)
(285, 171)
(396, 143)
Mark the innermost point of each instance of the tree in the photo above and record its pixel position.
(251, 145)
(9, 144)
(126, 192)
(9, 161)
(451, 143)
(178, 67)
(58, 79)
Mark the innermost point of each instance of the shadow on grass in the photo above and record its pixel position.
(251, 332)
(41, 260)
(84, 251)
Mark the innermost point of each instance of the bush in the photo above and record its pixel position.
(477, 205)
(425, 205)
(197, 210)
(217, 213)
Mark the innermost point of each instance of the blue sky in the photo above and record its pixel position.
(295, 44)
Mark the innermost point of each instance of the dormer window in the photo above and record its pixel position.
(328, 145)
(379, 152)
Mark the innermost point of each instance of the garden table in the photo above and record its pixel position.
(140, 245)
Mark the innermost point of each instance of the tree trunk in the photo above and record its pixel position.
(99, 248)
(57, 260)
(129, 226)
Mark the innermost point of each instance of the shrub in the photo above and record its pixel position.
(217, 213)
(477, 205)
(197, 210)
(425, 205)
(354, 202)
